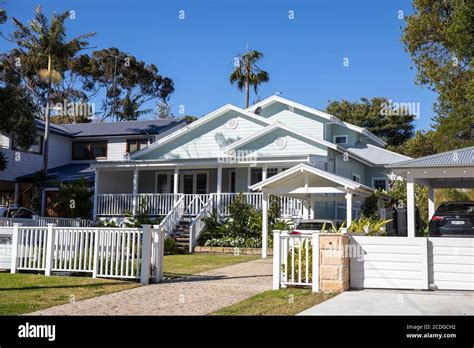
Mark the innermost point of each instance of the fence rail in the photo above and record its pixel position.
(134, 253)
(44, 221)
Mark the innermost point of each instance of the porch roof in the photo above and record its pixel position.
(303, 180)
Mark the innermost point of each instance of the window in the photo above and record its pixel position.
(255, 175)
(201, 183)
(37, 146)
(340, 139)
(355, 177)
(379, 183)
(133, 145)
(86, 150)
(271, 172)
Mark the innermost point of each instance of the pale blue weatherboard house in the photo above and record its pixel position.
(225, 152)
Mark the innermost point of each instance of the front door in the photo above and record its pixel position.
(195, 183)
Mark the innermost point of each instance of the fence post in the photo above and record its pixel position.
(146, 255)
(95, 265)
(276, 260)
(15, 245)
(49, 249)
(315, 272)
(158, 251)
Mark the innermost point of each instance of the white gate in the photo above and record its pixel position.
(412, 263)
(451, 263)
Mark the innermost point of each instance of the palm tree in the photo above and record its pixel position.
(129, 109)
(247, 73)
(46, 44)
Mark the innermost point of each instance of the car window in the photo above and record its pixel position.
(456, 208)
(312, 225)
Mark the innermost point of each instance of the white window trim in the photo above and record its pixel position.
(357, 176)
(339, 136)
(379, 178)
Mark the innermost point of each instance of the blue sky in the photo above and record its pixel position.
(303, 56)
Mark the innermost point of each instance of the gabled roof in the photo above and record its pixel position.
(270, 128)
(302, 169)
(455, 158)
(203, 120)
(275, 98)
(376, 155)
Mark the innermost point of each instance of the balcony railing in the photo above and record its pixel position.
(160, 204)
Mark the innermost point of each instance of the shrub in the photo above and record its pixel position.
(240, 211)
(73, 200)
(171, 246)
(236, 242)
(368, 226)
(213, 228)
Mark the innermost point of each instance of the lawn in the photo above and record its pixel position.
(288, 301)
(187, 264)
(23, 293)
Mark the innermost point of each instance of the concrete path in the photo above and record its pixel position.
(197, 295)
(396, 302)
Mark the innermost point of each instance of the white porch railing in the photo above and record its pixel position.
(172, 218)
(197, 224)
(44, 221)
(162, 203)
(132, 253)
(295, 259)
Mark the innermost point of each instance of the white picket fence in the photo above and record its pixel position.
(295, 260)
(44, 221)
(129, 253)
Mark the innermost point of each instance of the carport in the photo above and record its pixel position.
(453, 169)
(309, 184)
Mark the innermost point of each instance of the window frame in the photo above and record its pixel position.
(379, 178)
(137, 141)
(357, 176)
(340, 136)
(74, 158)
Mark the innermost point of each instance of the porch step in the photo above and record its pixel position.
(181, 232)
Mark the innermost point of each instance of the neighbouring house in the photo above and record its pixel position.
(208, 162)
(73, 148)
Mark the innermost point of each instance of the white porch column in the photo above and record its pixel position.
(17, 193)
(311, 209)
(264, 171)
(219, 188)
(175, 183)
(264, 224)
(135, 191)
(96, 192)
(249, 178)
(348, 209)
(431, 202)
(306, 209)
(411, 206)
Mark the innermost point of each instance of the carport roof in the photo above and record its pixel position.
(304, 179)
(456, 158)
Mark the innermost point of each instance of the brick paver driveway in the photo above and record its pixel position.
(197, 295)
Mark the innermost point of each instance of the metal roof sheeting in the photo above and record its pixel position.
(376, 155)
(456, 158)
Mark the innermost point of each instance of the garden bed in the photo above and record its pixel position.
(231, 250)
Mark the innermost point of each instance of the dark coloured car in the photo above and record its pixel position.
(453, 219)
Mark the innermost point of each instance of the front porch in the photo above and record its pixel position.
(155, 190)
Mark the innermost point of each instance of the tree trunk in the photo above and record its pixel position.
(46, 142)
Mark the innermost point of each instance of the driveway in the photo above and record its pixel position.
(396, 302)
(195, 295)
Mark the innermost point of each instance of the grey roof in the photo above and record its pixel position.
(66, 173)
(145, 127)
(99, 129)
(455, 158)
(376, 155)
